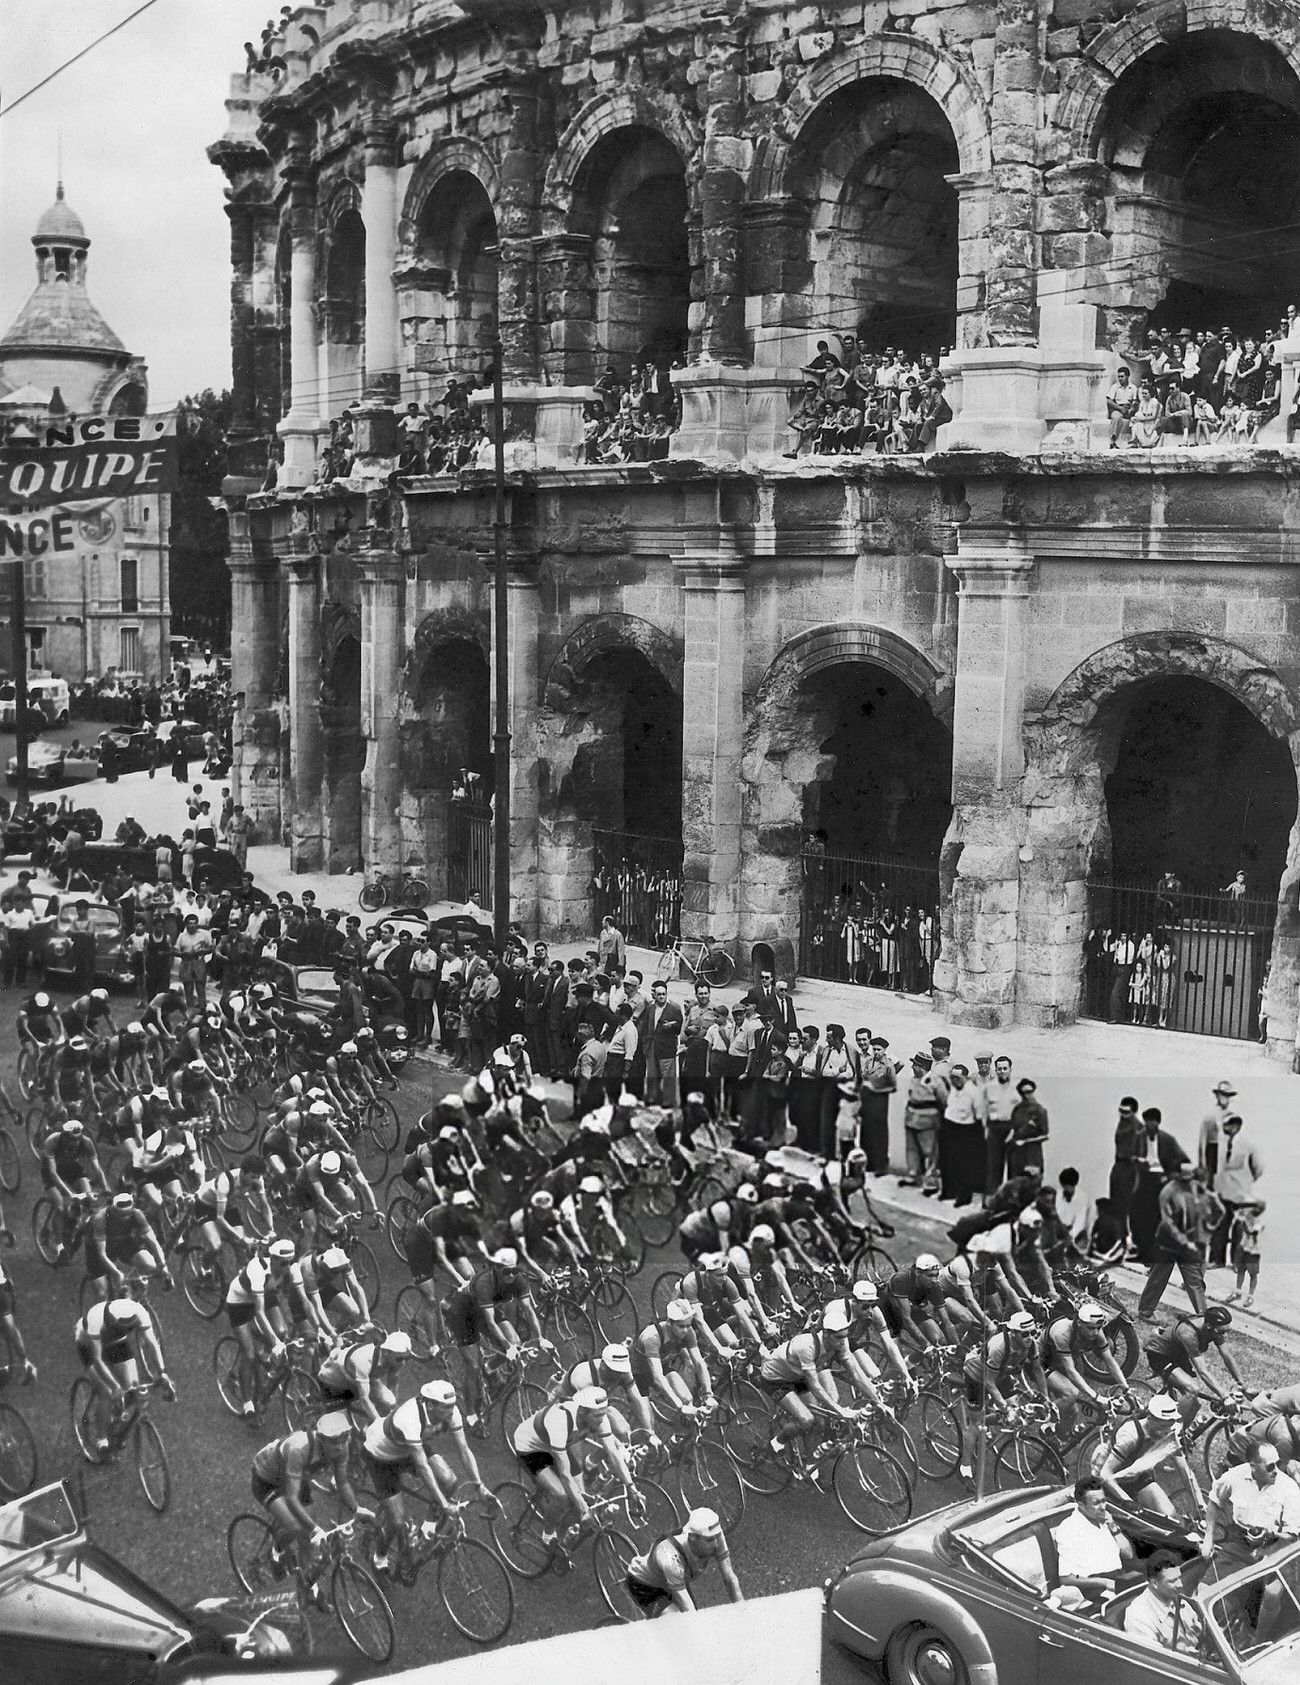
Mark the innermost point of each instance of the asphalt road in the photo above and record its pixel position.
(782, 1544)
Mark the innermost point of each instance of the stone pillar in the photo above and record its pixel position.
(246, 460)
(980, 863)
(568, 326)
(718, 318)
(713, 585)
(380, 573)
(522, 607)
(306, 737)
(516, 210)
(1014, 108)
(379, 213)
(255, 617)
(299, 428)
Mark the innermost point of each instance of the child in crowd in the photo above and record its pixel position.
(1244, 1237)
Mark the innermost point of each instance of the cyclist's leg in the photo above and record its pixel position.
(245, 1333)
(799, 1419)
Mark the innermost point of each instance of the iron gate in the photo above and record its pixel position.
(1176, 960)
(469, 852)
(869, 921)
(637, 881)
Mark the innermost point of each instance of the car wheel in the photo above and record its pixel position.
(921, 1655)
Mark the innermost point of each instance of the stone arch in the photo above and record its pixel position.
(604, 633)
(627, 108)
(1087, 82)
(906, 58)
(461, 156)
(443, 626)
(854, 641)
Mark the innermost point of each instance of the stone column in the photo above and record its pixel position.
(713, 585)
(718, 318)
(516, 210)
(306, 738)
(244, 455)
(299, 428)
(255, 615)
(522, 607)
(379, 213)
(980, 863)
(380, 573)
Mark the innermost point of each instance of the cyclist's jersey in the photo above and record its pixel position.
(1007, 1355)
(151, 1166)
(212, 1198)
(698, 1229)
(451, 1223)
(125, 1233)
(284, 1461)
(1132, 1440)
(493, 1285)
(279, 1143)
(73, 1155)
(578, 1209)
(193, 1088)
(666, 1566)
(593, 1372)
(553, 1428)
(350, 1366)
(562, 1181)
(953, 1282)
(253, 1282)
(716, 1295)
(330, 1280)
(312, 1175)
(315, 1134)
(416, 1163)
(1064, 1338)
(669, 1342)
(535, 1228)
(906, 1287)
(42, 1023)
(1179, 1344)
(791, 1361)
(99, 1324)
(396, 1437)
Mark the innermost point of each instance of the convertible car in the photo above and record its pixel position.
(52, 943)
(963, 1597)
(72, 1613)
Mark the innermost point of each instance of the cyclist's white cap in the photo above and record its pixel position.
(348, 1047)
(959, 1269)
(122, 1201)
(774, 1161)
(262, 991)
(42, 1001)
(696, 1099)
(213, 1015)
(857, 1156)
(704, 1524)
(591, 1185)
(626, 1103)
(463, 1196)
(1162, 1408)
(337, 1424)
(315, 1092)
(281, 1249)
(398, 1343)
(542, 1200)
(159, 1093)
(747, 1193)
(717, 1206)
(449, 1132)
(865, 1293)
(591, 1398)
(506, 1255)
(616, 1357)
(763, 1233)
(1093, 1315)
(334, 1258)
(330, 1163)
(713, 1261)
(927, 1261)
(775, 1184)
(835, 1318)
(596, 1125)
(438, 1392)
(1021, 1322)
(680, 1310)
(174, 1149)
(79, 1042)
(73, 1126)
(319, 1108)
(99, 994)
(135, 1028)
(196, 1065)
(119, 1308)
(1030, 1218)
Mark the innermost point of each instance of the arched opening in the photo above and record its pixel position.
(1195, 791)
(611, 833)
(343, 309)
(451, 304)
(344, 757)
(631, 203)
(1202, 136)
(877, 156)
(447, 768)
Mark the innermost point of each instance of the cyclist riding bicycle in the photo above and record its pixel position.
(146, 1111)
(709, 1231)
(282, 1483)
(1273, 1418)
(914, 1304)
(588, 1218)
(329, 1276)
(758, 1270)
(660, 1577)
(192, 1091)
(330, 1188)
(1001, 1366)
(121, 1240)
(475, 1310)
(868, 1322)
(793, 1373)
(9, 1315)
(39, 1027)
(854, 1362)
(113, 1339)
(662, 1350)
(537, 1232)
(230, 1206)
(90, 1016)
(1177, 1354)
(70, 1167)
(611, 1369)
(1064, 1342)
(253, 1310)
(557, 1444)
(1128, 1461)
(74, 1083)
(722, 1317)
(780, 1211)
(402, 1441)
(362, 1376)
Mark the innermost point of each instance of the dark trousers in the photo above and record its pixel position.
(874, 1130)
(614, 1063)
(1119, 1005)
(995, 1156)
(961, 1160)
(15, 958)
(1219, 1239)
(1159, 1276)
(1124, 1176)
(1144, 1217)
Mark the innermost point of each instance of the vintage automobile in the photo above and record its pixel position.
(71, 1612)
(81, 763)
(191, 730)
(52, 943)
(132, 747)
(963, 1597)
(44, 764)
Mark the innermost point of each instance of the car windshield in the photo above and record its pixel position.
(41, 1518)
(1262, 1613)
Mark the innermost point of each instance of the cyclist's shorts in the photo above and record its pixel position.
(6, 1298)
(344, 1393)
(536, 1461)
(653, 1599)
(263, 1489)
(238, 1315)
(419, 1253)
(779, 1389)
(96, 1263)
(387, 1477)
(118, 1351)
(462, 1322)
(1160, 1362)
(86, 1352)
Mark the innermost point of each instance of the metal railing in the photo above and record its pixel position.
(637, 881)
(469, 852)
(1176, 960)
(869, 921)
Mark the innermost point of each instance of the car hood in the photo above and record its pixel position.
(77, 1593)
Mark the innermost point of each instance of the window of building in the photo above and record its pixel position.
(130, 651)
(34, 577)
(36, 647)
(130, 585)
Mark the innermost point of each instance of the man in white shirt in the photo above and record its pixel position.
(961, 1139)
(1162, 1617)
(1091, 1551)
(1121, 405)
(1250, 1504)
(998, 1097)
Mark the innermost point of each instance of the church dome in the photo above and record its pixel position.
(59, 223)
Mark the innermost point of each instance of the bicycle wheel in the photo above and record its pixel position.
(630, 1257)
(518, 1404)
(18, 1462)
(249, 1545)
(363, 1611)
(740, 1400)
(517, 1531)
(1026, 1460)
(1121, 1337)
(47, 1229)
(299, 1397)
(8, 1362)
(668, 967)
(151, 1465)
(872, 1489)
(759, 1467)
(1215, 1452)
(225, 1364)
(82, 1404)
(203, 1281)
(667, 1286)
(382, 1121)
(895, 1438)
(654, 1204)
(475, 1590)
(411, 1316)
(938, 1439)
(415, 892)
(871, 1263)
(718, 968)
(367, 1274)
(612, 1308)
(238, 1121)
(403, 1211)
(11, 1166)
(373, 895)
(26, 1072)
(611, 1557)
(658, 1512)
(571, 1331)
(707, 1479)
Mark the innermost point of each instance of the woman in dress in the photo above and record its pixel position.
(1147, 419)
(1162, 982)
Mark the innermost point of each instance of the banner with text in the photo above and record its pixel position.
(73, 533)
(93, 458)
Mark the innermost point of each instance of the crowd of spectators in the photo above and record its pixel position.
(1207, 388)
(855, 401)
(631, 420)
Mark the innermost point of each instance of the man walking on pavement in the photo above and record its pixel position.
(1237, 1182)
(1130, 1153)
(665, 1029)
(1164, 1155)
(1176, 1245)
(1211, 1139)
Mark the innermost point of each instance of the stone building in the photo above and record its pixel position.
(61, 358)
(1022, 669)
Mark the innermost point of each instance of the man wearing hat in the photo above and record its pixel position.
(1236, 1182)
(660, 1578)
(940, 1058)
(1028, 1130)
(926, 1096)
(878, 1075)
(1207, 1150)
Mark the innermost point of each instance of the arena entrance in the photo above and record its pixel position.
(344, 757)
(447, 763)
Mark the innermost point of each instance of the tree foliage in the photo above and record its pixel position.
(200, 582)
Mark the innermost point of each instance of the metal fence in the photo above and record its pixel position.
(469, 852)
(869, 921)
(1175, 960)
(638, 883)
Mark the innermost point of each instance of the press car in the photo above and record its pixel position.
(962, 1597)
(52, 942)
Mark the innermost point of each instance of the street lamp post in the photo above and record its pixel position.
(501, 670)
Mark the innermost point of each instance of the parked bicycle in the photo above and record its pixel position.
(388, 890)
(704, 960)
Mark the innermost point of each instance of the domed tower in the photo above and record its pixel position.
(59, 339)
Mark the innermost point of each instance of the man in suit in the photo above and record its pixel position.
(665, 1030)
(555, 1003)
(783, 1015)
(635, 997)
(763, 993)
(536, 984)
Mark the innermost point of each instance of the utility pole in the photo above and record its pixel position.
(501, 669)
(18, 619)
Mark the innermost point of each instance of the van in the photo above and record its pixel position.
(50, 696)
